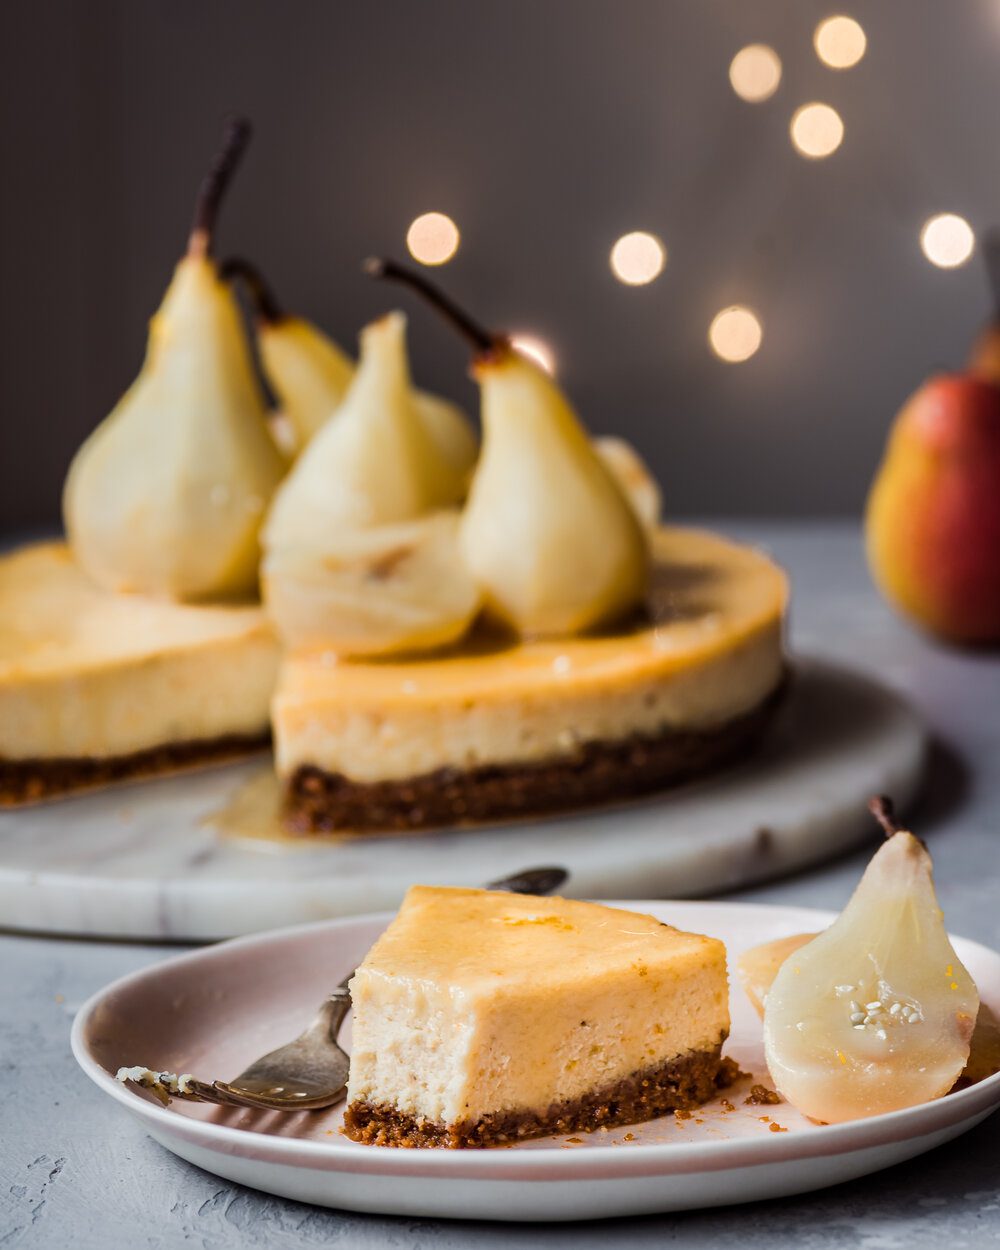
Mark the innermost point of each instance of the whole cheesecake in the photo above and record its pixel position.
(481, 1019)
(496, 729)
(97, 687)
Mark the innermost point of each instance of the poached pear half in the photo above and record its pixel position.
(877, 1012)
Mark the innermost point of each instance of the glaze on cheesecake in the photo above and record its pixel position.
(484, 1018)
(98, 687)
(495, 729)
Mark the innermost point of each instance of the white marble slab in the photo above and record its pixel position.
(143, 860)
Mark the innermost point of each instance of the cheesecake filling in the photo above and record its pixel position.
(674, 1085)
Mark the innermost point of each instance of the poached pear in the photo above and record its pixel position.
(547, 532)
(632, 474)
(362, 539)
(376, 464)
(392, 589)
(167, 495)
(877, 1012)
(311, 374)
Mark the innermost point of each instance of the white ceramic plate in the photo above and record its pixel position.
(214, 1010)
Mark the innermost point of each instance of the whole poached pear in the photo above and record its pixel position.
(933, 514)
(549, 533)
(167, 495)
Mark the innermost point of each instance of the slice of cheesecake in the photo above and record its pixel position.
(482, 1018)
(97, 687)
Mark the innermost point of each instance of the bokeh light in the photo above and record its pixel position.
(638, 258)
(839, 42)
(735, 334)
(433, 239)
(535, 349)
(947, 240)
(755, 72)
(816, 130)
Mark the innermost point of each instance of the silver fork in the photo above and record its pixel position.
(311, 1071)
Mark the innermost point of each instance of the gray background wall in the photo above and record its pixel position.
(546, 128)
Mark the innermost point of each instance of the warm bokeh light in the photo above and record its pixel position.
(839, 42)
(755, 72)
(735, 334)
(947, 240)
(817, 130)
(432, 238)
(535, 349)
(638, 258)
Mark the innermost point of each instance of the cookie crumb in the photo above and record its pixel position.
(761, 1096)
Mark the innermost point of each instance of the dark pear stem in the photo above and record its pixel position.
(991, 255)
(881, 807)
(213, 188)
(481, 339)
(262, 295)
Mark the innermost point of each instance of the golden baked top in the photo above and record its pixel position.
(54, 620)
(478, 941)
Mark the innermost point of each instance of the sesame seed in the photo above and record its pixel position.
(843, 989)
(857, 1017)
(895, 1009)
(860, 1026)
(875, 1006)
(881, 1034)
(855, 1006)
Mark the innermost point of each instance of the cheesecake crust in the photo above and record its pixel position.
(35, 780)
(679, 1084)
(594, 773)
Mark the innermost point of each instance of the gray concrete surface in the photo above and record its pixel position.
(75, 1172)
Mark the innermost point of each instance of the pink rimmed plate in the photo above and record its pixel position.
(212, 1011)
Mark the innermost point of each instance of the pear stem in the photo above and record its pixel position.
(481, 339)
(213, 188)
(882, 808)
(262, 295)
(991, 256)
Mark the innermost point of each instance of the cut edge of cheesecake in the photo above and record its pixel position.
(594, 774)
(679, 1084)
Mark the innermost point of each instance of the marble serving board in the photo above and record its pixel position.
(152, 860)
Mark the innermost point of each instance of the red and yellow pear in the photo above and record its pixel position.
(933, 515)
(984, 359)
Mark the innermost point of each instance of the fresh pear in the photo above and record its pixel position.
(376, 464)
(548, 534)
(932, 525)
(877, 1012)
(395, 588)
(984, 360)
(167, 495)
(310, 374)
